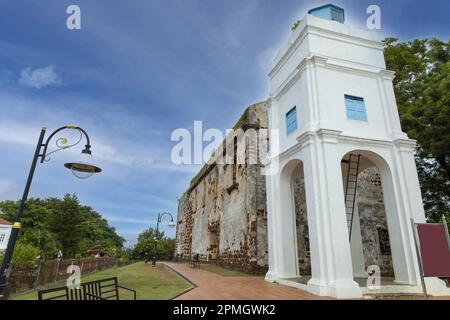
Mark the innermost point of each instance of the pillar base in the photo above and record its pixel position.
(317, 287)
(271, 276)
(436, 287)
(340, 289)
(345, 289)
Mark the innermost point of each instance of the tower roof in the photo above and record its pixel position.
(5, 222)
(330, 12)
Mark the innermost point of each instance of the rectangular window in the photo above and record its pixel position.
(383, 238)
(355, 108)
(291, 120)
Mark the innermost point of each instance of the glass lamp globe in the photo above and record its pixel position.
(83, 168)
(171, 224)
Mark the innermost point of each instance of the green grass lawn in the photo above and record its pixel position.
(223, 271)
(150, 283)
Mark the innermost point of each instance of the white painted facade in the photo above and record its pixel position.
(5, 232)
(323, 61)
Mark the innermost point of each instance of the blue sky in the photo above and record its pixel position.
(136, 71)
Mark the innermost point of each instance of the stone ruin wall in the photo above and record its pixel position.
(223, 216)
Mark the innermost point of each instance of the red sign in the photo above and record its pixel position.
(434, 250)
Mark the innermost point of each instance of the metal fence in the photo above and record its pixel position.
(27, 276)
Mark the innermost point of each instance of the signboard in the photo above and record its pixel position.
(5, 232)
(434, 249)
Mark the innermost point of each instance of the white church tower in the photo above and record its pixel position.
(333, 104)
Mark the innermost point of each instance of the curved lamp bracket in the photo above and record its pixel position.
(62, 143)
(160, 215)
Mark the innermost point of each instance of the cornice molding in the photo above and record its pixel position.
(325, 62)
(321, 32)
(335, 136)
(297, 73)
(386, 74)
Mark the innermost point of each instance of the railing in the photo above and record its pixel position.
(27, 276)
(194, 261)
(104, 289)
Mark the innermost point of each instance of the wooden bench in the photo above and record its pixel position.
(104, 289)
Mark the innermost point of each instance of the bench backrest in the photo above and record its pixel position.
(104, 289)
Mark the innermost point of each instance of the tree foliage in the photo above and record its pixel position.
(422, 88)
(53, 224)
(143, 250)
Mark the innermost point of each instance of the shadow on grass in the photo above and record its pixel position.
(151, 283)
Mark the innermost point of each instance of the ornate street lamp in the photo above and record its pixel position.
(171, 224)
(82, 168)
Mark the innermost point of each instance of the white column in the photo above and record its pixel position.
(271, 274)
(330, 248)
(282, 248)
(356, 247)
(398, 219)
(319, 248)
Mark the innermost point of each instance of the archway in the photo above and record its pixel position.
(294, 211)
(366, 180)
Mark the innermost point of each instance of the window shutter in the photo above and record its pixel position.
(291, 120)
(355, 108)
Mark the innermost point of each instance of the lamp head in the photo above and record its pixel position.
(83, 168)
(171, 224)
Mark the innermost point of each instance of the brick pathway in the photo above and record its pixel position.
(212, 286)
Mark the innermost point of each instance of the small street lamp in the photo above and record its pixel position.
(171, 224)
(82, 168)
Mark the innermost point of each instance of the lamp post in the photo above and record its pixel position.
(81, 169)
(171, 224)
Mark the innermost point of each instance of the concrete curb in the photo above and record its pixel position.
(183, 277)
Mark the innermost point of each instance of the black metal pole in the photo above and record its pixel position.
(155, 248)
(5, 269)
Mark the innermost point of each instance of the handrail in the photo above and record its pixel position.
(125, 288)
(88, 290)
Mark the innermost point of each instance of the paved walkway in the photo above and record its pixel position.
(212, 286)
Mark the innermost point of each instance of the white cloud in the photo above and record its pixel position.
(115, 218)
(39, 77)
(12, 132)
(5, 185)
(16, 133)
(7, 188)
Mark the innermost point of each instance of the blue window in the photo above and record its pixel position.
(291, 120)
(355, 108)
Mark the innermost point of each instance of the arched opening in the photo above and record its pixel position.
(295, 220)
(301, 221)
(364, 174)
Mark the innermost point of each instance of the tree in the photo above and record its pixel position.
(25, 252)
(66, 224)
(422, 88)
(53, 224)
(143, 250)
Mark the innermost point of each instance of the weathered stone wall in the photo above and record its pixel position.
(226, 208)
(372, 215)
(183, 238)
(301, 219)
